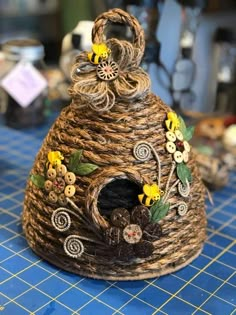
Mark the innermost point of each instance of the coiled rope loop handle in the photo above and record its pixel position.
(118, 16)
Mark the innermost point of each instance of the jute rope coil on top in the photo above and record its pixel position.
(119, 16)
(107, 138)
(132, 84)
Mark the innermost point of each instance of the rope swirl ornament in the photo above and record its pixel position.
(142, 151)
(184, 190)
(61, 220)
(73, 247)
(182, 208)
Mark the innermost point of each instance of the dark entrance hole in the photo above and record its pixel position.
(121, 193)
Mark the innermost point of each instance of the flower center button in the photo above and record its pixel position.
(132, 233)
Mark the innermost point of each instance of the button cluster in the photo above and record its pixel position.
(177, 146)
(132, 232)
(60, 184)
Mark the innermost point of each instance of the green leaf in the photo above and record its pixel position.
(74, 160)
(155, 206)
(159, 210)
(84, 168)
(186, 131)
(38, 180)
(182, 126)
(80, 168)
(183, 173)
(188, 134)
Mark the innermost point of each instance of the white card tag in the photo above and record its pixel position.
(24, 83)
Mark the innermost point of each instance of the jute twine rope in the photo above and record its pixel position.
(107, 139)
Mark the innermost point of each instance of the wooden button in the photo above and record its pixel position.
(70, 178)
(170, 136)
(113, 235)
(179, 135)
(140, 215)
(61, 170)
(143, 249)
(70, 191)
(48, 185)
(186, 146)
(132, 233)
(120, 217)
(185, 156)
(152, 232)
(52, 197)
(62, 199)
(107, 70)
(125, 251)
(59, 185)
(170, 147)
(51, 173)
(178, 157)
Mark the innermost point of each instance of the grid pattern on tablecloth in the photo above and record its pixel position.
(29, 285)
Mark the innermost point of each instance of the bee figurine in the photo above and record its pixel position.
(172, 123)
(55, 158)
(151, 194)
(99, 52)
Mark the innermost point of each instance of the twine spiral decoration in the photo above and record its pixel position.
(61, 220)
(73, 247)
(182, 208)
(142, 151)
(127, 81)
(184, 190)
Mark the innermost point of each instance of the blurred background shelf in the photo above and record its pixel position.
(49, 21)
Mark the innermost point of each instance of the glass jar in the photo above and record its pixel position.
(25, 51)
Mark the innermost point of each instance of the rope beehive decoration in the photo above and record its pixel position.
(115, 192)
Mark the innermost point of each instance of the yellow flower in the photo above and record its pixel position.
(172, 123)
(55, 158)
